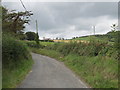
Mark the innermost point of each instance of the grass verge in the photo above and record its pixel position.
(50, 53)
(13, 77)
(98, 72)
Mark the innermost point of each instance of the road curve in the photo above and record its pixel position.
(50, 73)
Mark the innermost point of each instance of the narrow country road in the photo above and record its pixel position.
(50, 73)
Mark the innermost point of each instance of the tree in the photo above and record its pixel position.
(73, 37)
(14, 22)
(112, 34)
(56, 38)
(63, 39)
(117, 44)
(30, 35)
(22, 36)
(114, 27)
(116, 34)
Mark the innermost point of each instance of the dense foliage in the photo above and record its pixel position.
(12, 25)
(30, 35)
(85, 49)
(33, 44)
(16, 58)
(14, 22)
(13, 51)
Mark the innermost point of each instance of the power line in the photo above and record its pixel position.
(23, 5)
(30, 10)
(25, 8)
(30, 16)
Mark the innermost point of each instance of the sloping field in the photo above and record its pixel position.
(67, 41)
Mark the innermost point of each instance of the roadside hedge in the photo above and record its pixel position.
(13, 51)
(85, 49)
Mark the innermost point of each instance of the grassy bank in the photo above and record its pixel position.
(13, 77)
(16, 61)
(98, 72)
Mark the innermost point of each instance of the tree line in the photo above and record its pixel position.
(14, 22)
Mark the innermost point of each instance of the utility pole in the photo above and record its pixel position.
(36, 27)
(37, 36)
(94, 30)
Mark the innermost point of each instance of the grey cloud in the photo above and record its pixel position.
(102, 8)
(57, 18)
(64, 14)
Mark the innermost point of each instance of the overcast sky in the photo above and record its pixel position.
(69, 19)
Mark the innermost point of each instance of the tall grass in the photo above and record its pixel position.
(85, 49)
(13, 77)
(99, 72)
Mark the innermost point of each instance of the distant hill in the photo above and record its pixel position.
(109, 37)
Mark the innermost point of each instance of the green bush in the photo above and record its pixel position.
(117, 44)
(13, 51)
(33, 44)
(94, 48)
(82, 49)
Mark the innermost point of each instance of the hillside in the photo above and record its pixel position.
(109, 37)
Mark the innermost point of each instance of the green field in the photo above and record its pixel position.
(47, 43)
(93, 38)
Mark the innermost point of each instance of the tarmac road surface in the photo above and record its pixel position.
(50, 73)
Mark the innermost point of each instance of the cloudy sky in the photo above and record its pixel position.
(69, 19)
